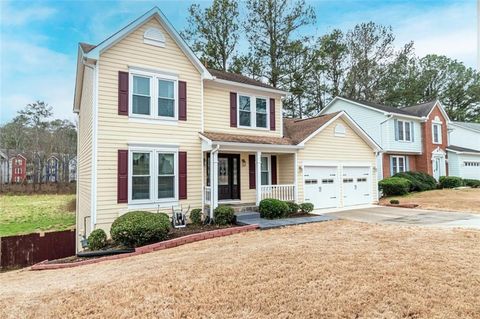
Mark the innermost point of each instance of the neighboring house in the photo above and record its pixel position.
(18, 165)
(157, 130)
(464, 150)
(51, 170)
(72, 170)
(4, 174)
(413, 138)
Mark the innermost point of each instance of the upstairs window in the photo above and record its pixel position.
(437, 133)
(153, 95)
(403, 131)
(253, 111)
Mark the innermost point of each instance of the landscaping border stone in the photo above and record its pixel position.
(150, 248)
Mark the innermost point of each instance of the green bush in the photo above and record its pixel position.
(196, 216)
(306, 207)
(292, 208)
(272, 208)
(97, 239)
(419, 181)
(474, 183)
(394, 202)
(394, 186)
(139, 228)
(450, 181)
(224, 215)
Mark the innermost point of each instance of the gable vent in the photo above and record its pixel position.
(155, 37)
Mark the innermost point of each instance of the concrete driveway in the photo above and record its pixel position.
(406, 216)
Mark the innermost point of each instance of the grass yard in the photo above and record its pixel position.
(30, 213)
(338, 269)
(460, 200)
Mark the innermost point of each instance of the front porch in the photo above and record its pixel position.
(235, 175)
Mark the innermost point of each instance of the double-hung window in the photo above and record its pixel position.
(153, 175)
(437, 133)
(265, 170)
(253, 111)
(404, 131)
(398, 164)
(153, 95)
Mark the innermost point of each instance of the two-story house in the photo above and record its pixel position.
(464, 150)
(51, 170)
(157, 130)
(413, 138)
(18, 166)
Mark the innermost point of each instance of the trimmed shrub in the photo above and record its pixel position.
(140, 228)
(224, 215)
(394, 202)
(306, 207)
(273, 208)
(196, 216)
(419, 181)
(97, 239)
(292, 208)
(394, 186)
(450, 181)
(474, 183)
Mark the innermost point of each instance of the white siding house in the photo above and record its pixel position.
(464, 150)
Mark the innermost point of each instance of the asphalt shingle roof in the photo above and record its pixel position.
(234, 77)
(422, 109)
(462, 149)
(469, 125)
(381, 107)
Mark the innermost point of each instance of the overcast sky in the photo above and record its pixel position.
(38, 39)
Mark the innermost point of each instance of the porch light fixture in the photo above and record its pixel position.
(244, 163)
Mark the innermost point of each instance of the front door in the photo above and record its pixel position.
(228, 176)
(436, 163)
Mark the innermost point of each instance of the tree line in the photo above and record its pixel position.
(362, 63)
(34, 134)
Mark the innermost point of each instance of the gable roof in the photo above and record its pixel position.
(468, 125)
(421, 110)
(234, 77)
(459, 149)
(380, 107)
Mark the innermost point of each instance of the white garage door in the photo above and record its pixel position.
(357, 186)
(321, 186)
(471, 169)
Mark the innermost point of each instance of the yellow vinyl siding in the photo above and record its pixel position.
(286, 169)
(325, 146)
(116, 131)
(217, 110)
(84, 156)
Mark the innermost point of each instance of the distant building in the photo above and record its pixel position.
(18, 166)
(51, 169)
(72, 170)
(4, 174)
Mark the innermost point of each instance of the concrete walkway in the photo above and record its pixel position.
(406, 216)
(249, 218)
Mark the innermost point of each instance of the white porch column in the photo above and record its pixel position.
(295, 177)
(213, 181)
(258, 177)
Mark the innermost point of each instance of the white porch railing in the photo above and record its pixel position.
(208, 194)
(281, 192)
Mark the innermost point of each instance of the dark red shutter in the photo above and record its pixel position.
(274, 170)
(233, 109)
(182, 175)
(122, 93)
(272, 114)
(182, 100)
(251, 171)
(122, 176)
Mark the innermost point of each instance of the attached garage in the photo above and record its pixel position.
(337, 164)
(463, 162)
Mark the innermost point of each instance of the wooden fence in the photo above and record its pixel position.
(26, 250)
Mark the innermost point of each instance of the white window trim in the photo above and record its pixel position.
(410, 125)
(405, 166)
(154, 151)
(253, 111)
(269, 163)
(439, 125)
(154, 78)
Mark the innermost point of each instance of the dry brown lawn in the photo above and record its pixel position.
(339, 269)
(454, 200)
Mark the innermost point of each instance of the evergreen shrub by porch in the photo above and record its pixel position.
(474, 183)
(306, 207)
(224, 215)
(272, 208)
(393, 186)
(140, 228)
(450, 181)
(97, 239)
(196, 216)
(292, 208)
(419, 181)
